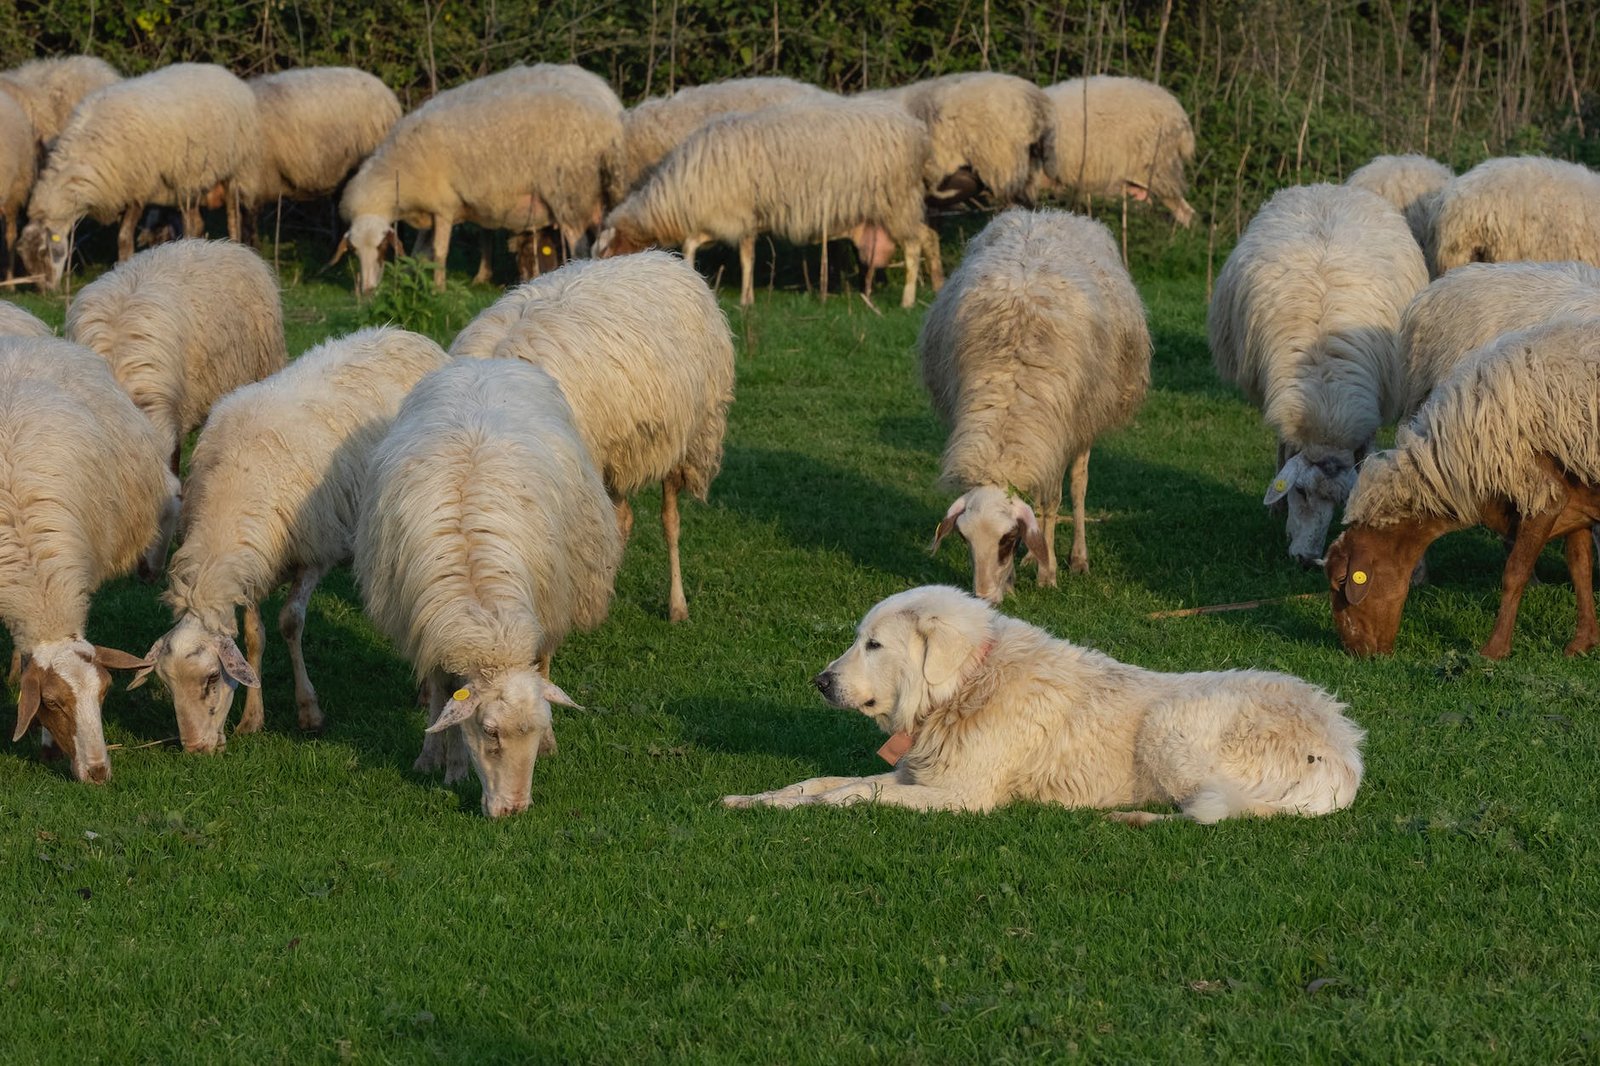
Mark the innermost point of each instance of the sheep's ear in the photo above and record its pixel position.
(112, 659)
(234, 664)
(391, 241)
(948, 523)
(944, 650)
(1028, 526)
(27, 700)
(1284, 480)
(1352, 578)
(462, 704)
(553, 694)
(341, 251)
(157, 650)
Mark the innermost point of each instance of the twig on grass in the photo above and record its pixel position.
(146, 744)
(1218, 608)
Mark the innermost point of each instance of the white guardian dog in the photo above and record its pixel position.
(985, 709)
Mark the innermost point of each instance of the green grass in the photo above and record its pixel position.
(314, 900)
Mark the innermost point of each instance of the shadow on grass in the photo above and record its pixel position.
(832, 741)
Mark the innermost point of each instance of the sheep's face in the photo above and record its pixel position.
(1369, 576)
(1315, 482)
(201, 668)
(45, 248)
(506, 724)
(64, 683)
(620, 239)
(369, 236)
(995, 524)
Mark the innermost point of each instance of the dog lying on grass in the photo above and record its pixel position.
(994, 709)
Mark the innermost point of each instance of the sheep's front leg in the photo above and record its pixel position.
(235, 219)
(1533, 531)
(292, 624)
(677, 605)
(255, 639)
(436, 687)
(930, 238)
(624, 513)
(747, 270)
(1080, 538)
(485, 272)
(908, 297)
(1580, 564)
(691, 245)
(441, 249)
(125, 232)
(11, 244)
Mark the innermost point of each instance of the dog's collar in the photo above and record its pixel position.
(894, 749)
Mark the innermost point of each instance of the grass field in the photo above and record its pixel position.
(312, 900)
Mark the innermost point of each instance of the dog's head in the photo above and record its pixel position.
(912, 653)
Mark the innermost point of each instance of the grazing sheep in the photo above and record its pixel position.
(1522, 207)
(643, 354)
(654, 127)
(1473, 304)
(1508, 440)
(82, 486)
(17, 168)
(1123, 136)
(988, 132)
(178, 136)
(49, 89)
(182, 325)
(447, 162)
(809, 170)
(1304, 320)
(1036, 347)
(317, 125)
(1410, 182)
(485, 535)
(272, 495)
(15, 322)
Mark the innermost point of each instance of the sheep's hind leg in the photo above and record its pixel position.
(677, 605)
(1080, 537)
(1580, 564)
(624, 512)
(292, 624)
(235, 216)
(908, 297)
(747, 270)
(130, 222)
(255, 639)
(1532, 533)
(11, 244)
(435, 686)
(485, 272)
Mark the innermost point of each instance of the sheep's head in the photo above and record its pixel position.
(1315, 481)
(46, 247)
(369, 236)
(621, 238)
(1370, 572)
(994, 523)
(506, 723)
(64, 683)
(202, 668)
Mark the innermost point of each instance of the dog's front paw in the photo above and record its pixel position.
(739, 803)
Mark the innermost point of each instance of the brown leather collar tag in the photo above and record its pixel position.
(895, 748)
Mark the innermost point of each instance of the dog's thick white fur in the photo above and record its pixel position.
(1000, 711)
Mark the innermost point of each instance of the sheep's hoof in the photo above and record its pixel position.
(1495, 649)
(1047, 578)
(311, 719)
(1079, 566)
(678, 612)
(1583, 642)
(252, 721)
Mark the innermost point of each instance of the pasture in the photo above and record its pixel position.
(312, 899)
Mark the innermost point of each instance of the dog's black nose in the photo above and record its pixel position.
(823, 683)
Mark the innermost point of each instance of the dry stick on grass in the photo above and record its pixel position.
(1218, 608)
(146, 744)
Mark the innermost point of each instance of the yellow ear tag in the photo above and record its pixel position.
(547, 250)
(1359, 577)
(1281, 485)
(55, 236)
(462, 693)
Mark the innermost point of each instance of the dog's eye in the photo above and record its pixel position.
(873, 645)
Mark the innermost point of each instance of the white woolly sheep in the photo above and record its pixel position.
(643, 354)
(1123, 136)
(272, 495)
(17, 167)
(1037, 346)
(1507, 440)
(83, 483)
(182, 135)
(987, 131)
(317, 125)
(1473, 304)
(1410, 182)
(653, 127)
(447, 162)
(49, 89)
(485, 535)
(182, 325)
(16, 322)
(809, 170)
(1523, 207)
(1304, 320)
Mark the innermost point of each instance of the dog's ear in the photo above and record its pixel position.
(944, 649)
